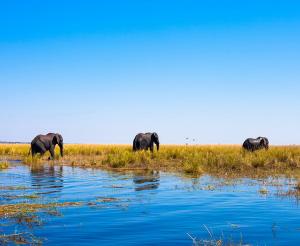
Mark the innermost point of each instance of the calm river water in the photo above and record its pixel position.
(151, 208)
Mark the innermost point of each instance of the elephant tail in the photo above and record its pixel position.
(29, 152)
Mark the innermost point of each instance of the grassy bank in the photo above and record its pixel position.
(194, 160)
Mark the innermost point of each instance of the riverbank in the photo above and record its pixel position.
(230, 160)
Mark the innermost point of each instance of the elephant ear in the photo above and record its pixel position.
(262, 141)
(55, 139)
(59, 138)
(154, 136)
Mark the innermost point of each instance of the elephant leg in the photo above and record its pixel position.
(52, 152)
(144, 145)
(136, 146)
(38, 149)
(42, 151)
(151, 147)
(33, 152)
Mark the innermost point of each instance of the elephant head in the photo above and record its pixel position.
(264, 142)
(58, 139)
(154, 139)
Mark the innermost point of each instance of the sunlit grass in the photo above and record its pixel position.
(11, 210)
(3, 165)
(216, 159)
(14, 149)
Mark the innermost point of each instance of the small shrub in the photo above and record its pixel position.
(192, 167)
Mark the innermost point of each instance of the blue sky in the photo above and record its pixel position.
(102, 71)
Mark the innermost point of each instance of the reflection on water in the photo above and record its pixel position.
(164, 209)
(148, 180)
(48, 178)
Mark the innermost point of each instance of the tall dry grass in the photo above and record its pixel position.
(228, 159)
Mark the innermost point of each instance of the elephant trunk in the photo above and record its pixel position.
(61, 147)
(157, 145)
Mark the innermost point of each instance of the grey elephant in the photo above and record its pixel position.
(252, 144)
(144, 141)
(42, 143)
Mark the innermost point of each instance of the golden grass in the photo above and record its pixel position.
(194, 160)
(11, 210)
(14, 149)
(3, 165)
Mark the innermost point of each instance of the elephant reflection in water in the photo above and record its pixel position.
(146, 180)
(47, 178)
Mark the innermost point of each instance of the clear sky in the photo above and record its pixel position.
(102, 71)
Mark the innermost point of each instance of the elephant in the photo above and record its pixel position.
(252, 144)
(144, 141)
(42, 143)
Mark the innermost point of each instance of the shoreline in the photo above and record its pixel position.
(193, 160)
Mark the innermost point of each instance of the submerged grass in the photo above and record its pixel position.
(212, 240)
(27, 215)
(192, 160)
(14, 197)
(13, 210)
(19, 239)
(7, 188)
(3, 165)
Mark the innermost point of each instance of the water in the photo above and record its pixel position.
(153, 208)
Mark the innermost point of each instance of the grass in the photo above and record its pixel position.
(212, 240)
(3, 165)
(217, 160)
(27, 214)
(263, 191)
(6, 188)
(19, 239)
(192, 160)
(13, 197)
(12, 210)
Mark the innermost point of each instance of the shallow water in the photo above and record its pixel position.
(151, 208)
